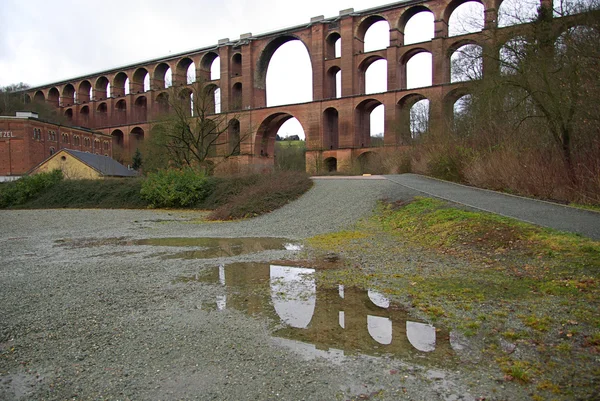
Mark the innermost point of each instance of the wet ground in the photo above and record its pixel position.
(158, 305)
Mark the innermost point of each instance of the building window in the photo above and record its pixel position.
(105, 145)
(86, 142)
(37, 134)
(52, 151)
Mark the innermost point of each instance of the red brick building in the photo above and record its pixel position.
(26, 141)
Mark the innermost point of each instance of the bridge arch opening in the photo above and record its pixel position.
(120, 85)
(101, 87)
(510, 55)
(419, 67)
(84, 92)
(69, 114)
(141, 81)
(373, 75)
(333, 83)
(162, 101)
(141, 109)
(84, 114)
(412, 118)
(68, 96)
(333, 45)
(373, 34)
(282, 124)
(417, 24)
(234, 138)
(284, 72)
(185, 72)
(331, 136)
(39, 97)
(210, 67)
(367, 163)
(236, 96)
(464, 17)
(514, 12)
(136, 138)
(466, 63)
(53, 96)
(121, 112)
(162, 77)
(236, 65)
(330, 164)
(369, 123)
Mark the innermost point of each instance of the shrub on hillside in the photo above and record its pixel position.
(176, 188)
(108, 193)
(268, 193)
(18, 192)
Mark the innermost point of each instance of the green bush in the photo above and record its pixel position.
(18, 192)
(108, 193)
(176, 188)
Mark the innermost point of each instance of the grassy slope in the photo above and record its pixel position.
(496, 280)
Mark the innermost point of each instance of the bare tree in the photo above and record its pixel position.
(193, 132)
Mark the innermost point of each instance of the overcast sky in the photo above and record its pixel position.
(44, 41)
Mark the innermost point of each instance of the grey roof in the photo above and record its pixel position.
(103, 164)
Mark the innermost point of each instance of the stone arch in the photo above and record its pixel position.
(136, 138)
(186, 97)
(363, 68)
(237, 92)
(206, 67)
(26, 98)
(118, 86)
(404, 117)
(331, 45)
(183, 71)
(68, 96)
(84, 93)
(330, 164)
(514, 12)
(364, 26)
(468, 25)
(466, 62)
(332, 83)
(450, 100)
(101, 88)
(411, 65)
(162, 101)
(331, 135)
(210, 101)
(120, 112)
(140, 81)
(159, 77)
(362, 122)
(406, 20)
(84, 114)
(234, 138)
(366, 163)
(236, 65)
(260, 76)
(69, 114)
(39, 97)
(101, 118)
(264, 140)
(140, 109)
(118, 140)
(53, 96)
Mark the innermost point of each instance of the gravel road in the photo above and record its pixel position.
(87, 314)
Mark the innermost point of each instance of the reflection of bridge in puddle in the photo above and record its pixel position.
(331, 319)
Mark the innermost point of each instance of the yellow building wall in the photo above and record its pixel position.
(72, 168)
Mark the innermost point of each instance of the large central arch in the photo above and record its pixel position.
(264, 140)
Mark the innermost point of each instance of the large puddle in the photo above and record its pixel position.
(203, 248)
(323, 321)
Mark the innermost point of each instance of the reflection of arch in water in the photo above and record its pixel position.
(380, 329)
(421, 336)
(378, 299)
(294, 294)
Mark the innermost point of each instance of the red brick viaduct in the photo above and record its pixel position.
(336, 128)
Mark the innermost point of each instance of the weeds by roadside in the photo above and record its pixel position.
(526, 298)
